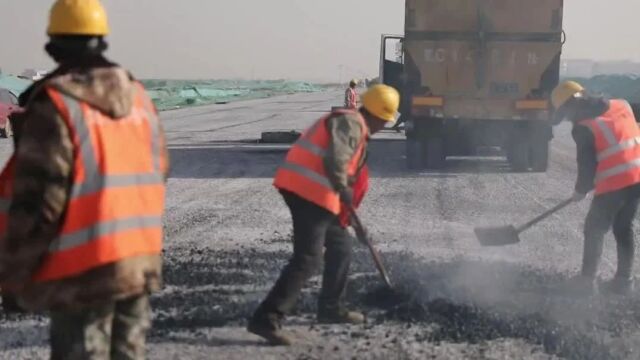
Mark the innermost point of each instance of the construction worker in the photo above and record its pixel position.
(316, 182)
(608, 146)
(351, 95)
(83, 195)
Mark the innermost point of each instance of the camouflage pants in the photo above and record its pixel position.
(112, 331)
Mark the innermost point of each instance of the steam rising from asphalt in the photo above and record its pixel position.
(472, 301)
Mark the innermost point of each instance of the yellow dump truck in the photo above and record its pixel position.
(474, 74)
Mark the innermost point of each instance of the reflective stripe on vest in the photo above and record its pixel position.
(616, 170)
(614, 149)
(617, 143)
(303, 170)
(117, 196)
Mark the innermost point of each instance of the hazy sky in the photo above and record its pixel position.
(292, 39)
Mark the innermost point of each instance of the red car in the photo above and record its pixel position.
(8, 105)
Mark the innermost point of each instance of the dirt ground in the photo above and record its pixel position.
(228, 236)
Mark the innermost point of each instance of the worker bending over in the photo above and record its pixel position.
(82, 198)
(316, 182)
(608, 145)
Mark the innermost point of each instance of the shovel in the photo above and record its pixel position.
(509, 234)
(364, 238)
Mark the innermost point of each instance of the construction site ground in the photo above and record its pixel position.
(228, 235)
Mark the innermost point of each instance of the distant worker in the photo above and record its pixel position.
(608, 146)
(316, 182)
(351, 95)
(86, 186)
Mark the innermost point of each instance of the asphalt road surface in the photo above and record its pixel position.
(228, 236)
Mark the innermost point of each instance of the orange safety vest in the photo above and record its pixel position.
(117, 194)
(617, 142)
(351, 102)
(303, 170)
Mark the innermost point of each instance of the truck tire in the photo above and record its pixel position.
(539, 153)
(415, 154)
(435, 153)
(519, 156)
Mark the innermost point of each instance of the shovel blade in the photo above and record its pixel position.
(497, 236)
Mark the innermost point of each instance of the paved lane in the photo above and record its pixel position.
(228, 236)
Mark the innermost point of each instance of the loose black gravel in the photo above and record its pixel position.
(226, 286)
(214, 288)
(459, 318)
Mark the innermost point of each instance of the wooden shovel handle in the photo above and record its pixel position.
(364, 238)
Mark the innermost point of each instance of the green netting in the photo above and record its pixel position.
(14, 84)
(173, 94)
(615, 86)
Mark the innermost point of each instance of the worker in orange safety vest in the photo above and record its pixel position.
(608, 155)
(317, 182)
(351, 95)
(82, 198)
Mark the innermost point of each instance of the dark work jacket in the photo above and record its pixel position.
(586, 157)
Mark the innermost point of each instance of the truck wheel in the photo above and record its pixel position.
(435, 153)
(519, 156)
(414, 153)
(540, 156)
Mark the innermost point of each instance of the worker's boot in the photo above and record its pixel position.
(618, 286)
(339, 315)
(268, 326)
(580, 286)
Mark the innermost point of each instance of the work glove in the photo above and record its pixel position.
(577, 196)
(346, 197)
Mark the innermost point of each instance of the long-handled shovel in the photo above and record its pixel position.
(509, 234)
(364, 238)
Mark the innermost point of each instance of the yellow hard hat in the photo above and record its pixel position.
(78, 17)
(354, 81)
(565, 91)
(382, 101)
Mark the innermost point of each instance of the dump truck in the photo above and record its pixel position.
(475, 74)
